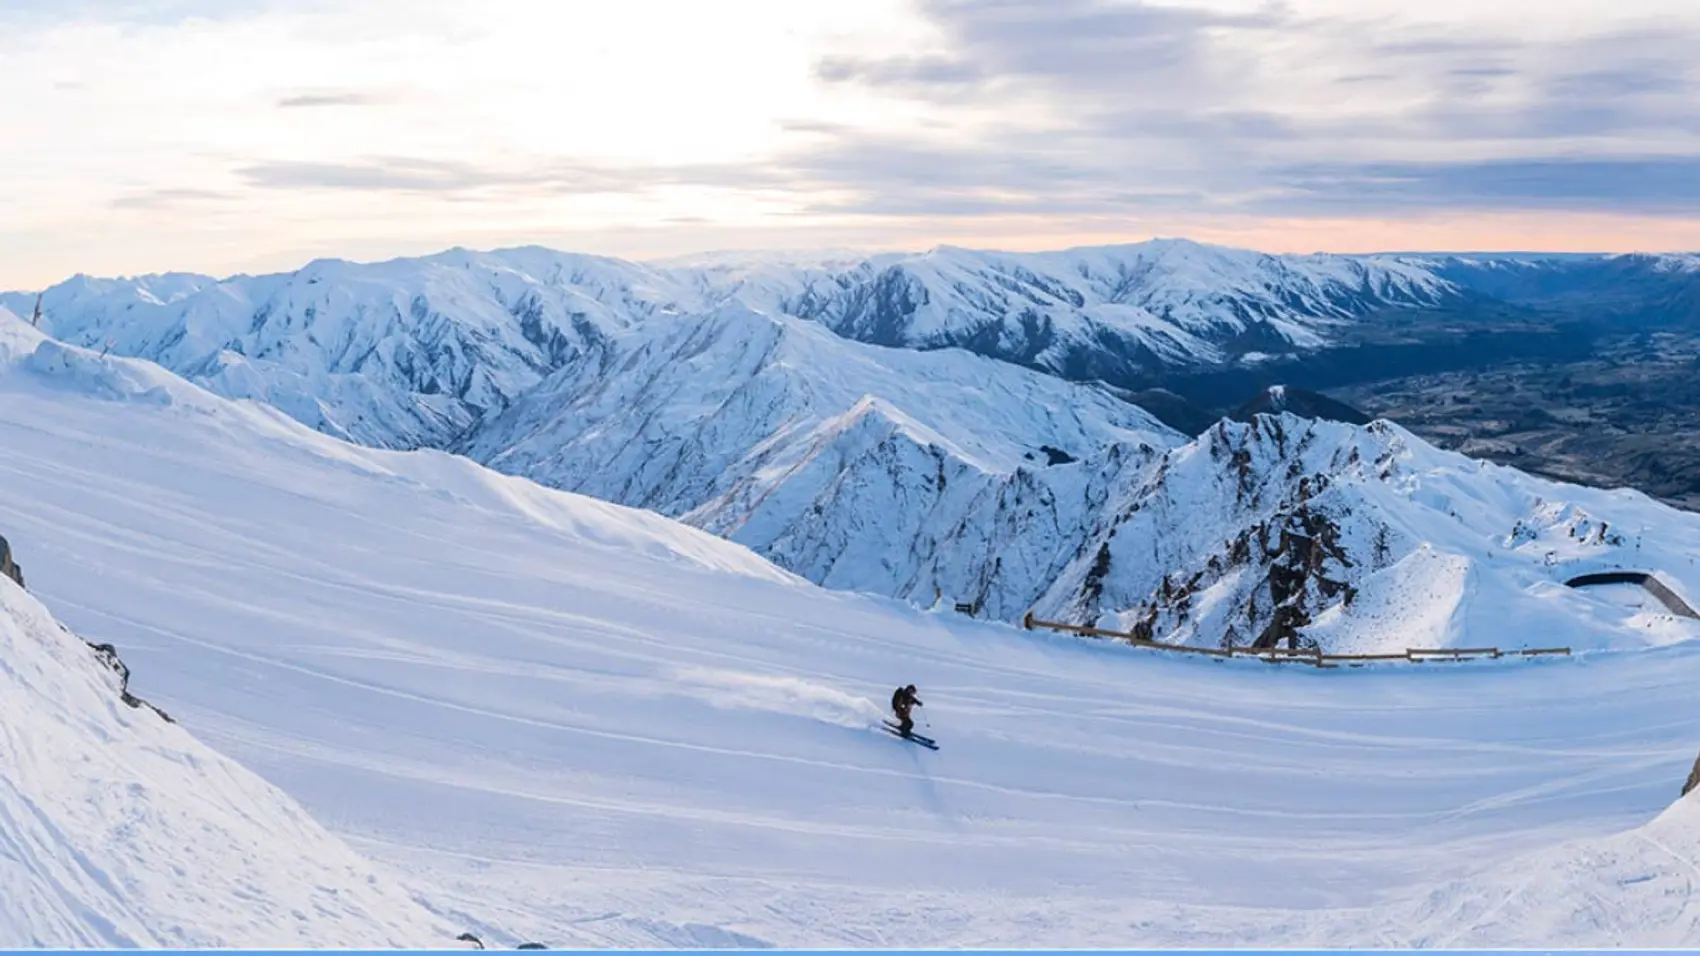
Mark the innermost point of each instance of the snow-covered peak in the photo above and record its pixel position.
(1367, 539)
(398, 353)
(410, 351)
(728, 416)
(1686, 263)
(1119, 309)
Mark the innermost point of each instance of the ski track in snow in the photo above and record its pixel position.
(569, 722)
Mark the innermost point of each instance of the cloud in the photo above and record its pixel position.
(1127, 106)
(322, 98)
(1655, 186)
(171, 198)
(451, 178)
(1081, 46)
(1083, 108)
(309, 123)
(897, 71)
(129, 12)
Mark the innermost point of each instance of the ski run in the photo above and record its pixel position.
(414, 697)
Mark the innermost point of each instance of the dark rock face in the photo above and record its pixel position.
(1693, 778)
(108, 656)
(1056, 456)
(1299, 565)
(8, 567)
(1288, 527)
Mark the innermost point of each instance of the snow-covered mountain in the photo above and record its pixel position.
(411, 351)
(119, 829)
(977, 483)
(940, 475)
(731, 392)
(1636, 286)
(1366, 539)
(408, 352)
(395, 354)
(856, 466)
(600, 728)
(1112, 312)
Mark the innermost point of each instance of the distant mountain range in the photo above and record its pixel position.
(956, 424)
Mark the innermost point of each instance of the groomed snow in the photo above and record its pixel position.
(570, 722)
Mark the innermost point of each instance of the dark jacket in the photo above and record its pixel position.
(902, 700)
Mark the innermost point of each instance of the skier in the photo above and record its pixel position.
(902, 700)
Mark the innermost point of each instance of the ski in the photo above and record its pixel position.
(926, 742)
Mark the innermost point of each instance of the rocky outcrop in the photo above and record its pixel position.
(8, 567)
(1693, 778)
(477, 943)
(108, 656)
(106, 653)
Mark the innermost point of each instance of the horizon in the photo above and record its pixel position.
(227, 137)
(681, 260)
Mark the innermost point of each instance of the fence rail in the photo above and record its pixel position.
(1312, 656)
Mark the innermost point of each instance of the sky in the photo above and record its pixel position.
(226, 136)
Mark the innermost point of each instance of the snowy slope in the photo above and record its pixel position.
(588, 725)
(856, 466)
(1605, 891)
(1368, 540)
(119, 829)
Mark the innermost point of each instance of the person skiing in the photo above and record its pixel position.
(902, 700)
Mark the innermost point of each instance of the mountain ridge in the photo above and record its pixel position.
(758, 403)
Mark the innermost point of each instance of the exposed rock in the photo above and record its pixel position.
(108, 656)
(1056, 456)
(478, 943)
(9, 567)
(1693, 778)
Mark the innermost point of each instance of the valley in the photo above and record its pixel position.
(1627, 414)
